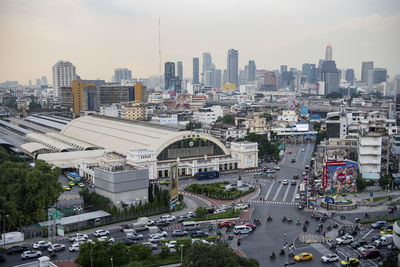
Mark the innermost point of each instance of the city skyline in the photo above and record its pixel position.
(355, 34)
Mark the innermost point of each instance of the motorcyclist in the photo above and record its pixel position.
(272, 255)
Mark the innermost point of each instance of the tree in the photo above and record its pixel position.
(200, 212)
(180, 198)
(385, 182)
(334, 95)
(193, 125)
(265, 147)
(96, 252)
(118, 252)
(320, 136)
(229, 119)
(267, 116)
(317, 126)
(361, 183)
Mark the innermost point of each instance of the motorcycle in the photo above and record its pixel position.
(284, 219)
(282, 252)
(298, 222)
(272, 256)
(289, 220)
(269, 219)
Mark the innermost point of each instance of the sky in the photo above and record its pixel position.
(100, 35)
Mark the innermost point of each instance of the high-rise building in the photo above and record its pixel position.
(365, 67)
(233, 67)
(310, 71)
(350, 76)
(63, 75)
(38, 82)
(328, 52)
(179, 69)
(84, 96)
(376, 76)
(122, 74)
(217, 79)
(251, 71)
(169, 74)
(207, 62)
(138, 94)
(44, 80)
(330, 75)
(270, 81)
(196, 79)
(209, 78)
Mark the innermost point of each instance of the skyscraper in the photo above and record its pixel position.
(179, 69)
(209, 78)
(328, 52)
(196, 79)
(122, 74)
(350, 76)
(232, 66)
(38, 82)
(376, 76)
(330, 75)
(217, 79)
(365, 67)
(207, 62)
(169, 74)
(44, 80)
(251, 71)
(63, 75)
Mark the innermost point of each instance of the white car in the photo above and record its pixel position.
(277, 168)
(106, 238)
(171, 244)
(74, 247)
(101, 233)
(160, 234)
(285, 182)
(29, 254)
(297, 197)
(242, 206)
(80, 240)
(41, 244)
(347, 239)
(365, 248)
(77, 235)
(219, 210)
(156, 239)
(190, 214)
(168, 218)
(330, 258)
(200, 240)
(302, 149)
(56, 247)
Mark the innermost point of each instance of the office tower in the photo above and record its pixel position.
(270, 81)
(376, 76)
(251, 71)
(169, 74)
(84, 96)
(310, 71)
(232, 66)
(330, 75)
(328, 52)
(63, 75)
(179, 69)
(224, 77)
(350, 76)
(209, 78)
(138, 92)
(44, 80)
(217, 79)
(122, 74)
(365, 67)
(207, 62)
(196, 79)
(38, 82)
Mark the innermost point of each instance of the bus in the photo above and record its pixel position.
(207, 175)
(73, 176)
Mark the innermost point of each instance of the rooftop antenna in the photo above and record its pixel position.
(159, 45)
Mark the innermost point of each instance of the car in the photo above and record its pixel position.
(136, 237)
(156, 239)
(150, 245)
(370, 254)
(101, 233)
(357, 244)
(56, 247)
(304, 173)
(128, 241)
(191, 214)
(66, 188)
(347, 239)
(330, 258)
(161, 223)
(349, 262)
(305, 256)
(302, 150)
(376, 237)
(72, 238)
(285, 182)
(386, 231)
(178, 232)
(160, 234)
(293, 161)
(201, 241)
(297, 196)
(296, 176)
(219, 210)
(29, 254)
(182, 218)
(227, 223)
(41, 244)
(293, 183)
(277, 168)
(168, 218)
(379, 224)
(122, 227)
(365, 247)
(70, 183)
(226, 207)
(242, 206)
(74, 247)
(289, 152)
(166, 182)
(251, 225)
(16, 249)
(106, 239)
(171, 244)
(80, 240)
(199, 234)
(81, 185)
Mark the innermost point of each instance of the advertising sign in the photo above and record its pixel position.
(315, 116)
(340, 174)
(324, 178)
(60, 230)
(173, 183)
(329, 200)
(304, 110)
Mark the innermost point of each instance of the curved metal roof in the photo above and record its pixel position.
(34, 148)
(49, 142)
(81, 145)
(122, 135)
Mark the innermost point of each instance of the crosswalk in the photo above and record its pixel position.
(253, 201)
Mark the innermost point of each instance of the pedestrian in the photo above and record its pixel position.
(324, 234)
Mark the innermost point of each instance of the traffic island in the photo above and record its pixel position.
(340, 207)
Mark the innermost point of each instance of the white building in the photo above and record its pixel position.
(369, 155)
(63, 75)
(171, 120)
(208, 115)
(246, 152)
(288, 116)
(111, 111)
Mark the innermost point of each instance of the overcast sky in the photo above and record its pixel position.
(100, 35)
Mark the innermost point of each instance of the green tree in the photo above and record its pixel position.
(229, 119)
(200, 212)
(267, 116)
(320, 136)
(193, 125)
(265, 147)
(97, 252)
(180, 198)
(317, 126)
(361, 183)
(334, 95)
(118, 252)
(385, 181)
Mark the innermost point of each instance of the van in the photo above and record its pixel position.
(242, 229)
(139, 226)
(145, 220)
(385, 240)
(190, 226)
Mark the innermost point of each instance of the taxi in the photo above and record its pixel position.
(66, 188)
(81, 185)
(386, 231)
(350, 262)
(70, 183)
(164, 182)
(303, 257)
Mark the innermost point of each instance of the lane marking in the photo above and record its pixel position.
(367, 234)
(286, 193)
(295, 192)
(277, 192)
(269, 190)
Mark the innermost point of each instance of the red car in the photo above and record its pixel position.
(371, 254)
(290, 152)
(252, 226)
(227, 223)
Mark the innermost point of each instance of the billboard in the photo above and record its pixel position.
(304, 110)
(300, 128)
(315, 116)
(340, 175)
(173, 183)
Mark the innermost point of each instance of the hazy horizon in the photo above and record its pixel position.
(98, 35)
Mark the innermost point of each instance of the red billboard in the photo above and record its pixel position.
(324, 179)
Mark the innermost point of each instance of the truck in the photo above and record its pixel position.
(385, 240)
(145, 220)
(139, 226)
(155, 231)
(11, 237)
(73, 176)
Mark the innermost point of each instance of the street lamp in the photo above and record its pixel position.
(181, 252)
(78, 209)
(112, 265)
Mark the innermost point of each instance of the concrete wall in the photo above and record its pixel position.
(117, 182)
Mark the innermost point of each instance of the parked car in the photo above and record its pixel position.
(386, 231)
(376, 237)
(183, 217)
(128, 241)
(297, 197)
(106, 239)
(370, 254)
(150, 245)
(171, 244)
(227, 223)
(347, 239)
(56, 247)
(161, 223)
(357, 244)
(156, 239)
(179, 232)
(191, 214)
(293, 160)
(74, 247)
(330, 258)
(251, 225)
(16, 249)
(168, 218)
(80, 240)
(199, 234)
(365, 247)
(122, 227)
(379, 224)
(29, 254)
(101, 233)
(242, 206)
(136, 236)
(41, 244)
(72, 238)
